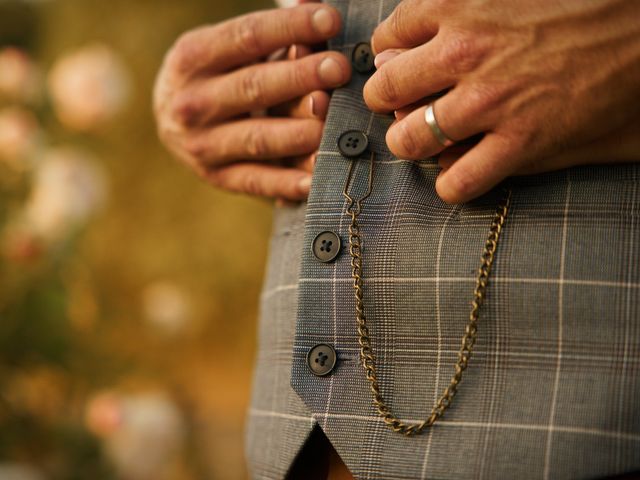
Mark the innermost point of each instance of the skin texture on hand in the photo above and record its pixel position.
(215, 85)
(546, 84)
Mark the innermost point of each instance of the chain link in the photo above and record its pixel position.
(367, 358)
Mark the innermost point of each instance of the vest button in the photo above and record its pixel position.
(353, 143)
(326, 246)
(321, 359)
(362, 58)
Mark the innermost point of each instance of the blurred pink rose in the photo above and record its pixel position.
(20, 78)
(19, 136)
(142, 433)
(69, 186)
(89, 87)
(104, 415)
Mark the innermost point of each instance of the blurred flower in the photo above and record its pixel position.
(20, 78)
(21, 245)
(88, 87)
(104, 414)
(166, 307)
(15, 471)
(38, 391)
(68, 188)
(142, 432)
(19, 136)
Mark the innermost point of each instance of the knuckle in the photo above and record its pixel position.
(461, 185)
(398, 22)
(185, 108)
(403, 142)
(483, 99)
(302, 74)
(256, 142)
(253, 89)
(406, 142)
(298, 137)
(462, 54)
(247, 35)
(167, 132)
(215, 179)
(185, 52)
(251, 184)
(196, 148)
(306, 135)
(386, 89)
(288, 28)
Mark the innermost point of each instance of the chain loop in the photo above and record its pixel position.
(367, 358)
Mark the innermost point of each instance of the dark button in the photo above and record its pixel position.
(353, 143)
(321, 359)
(326, 246)
(362, 58)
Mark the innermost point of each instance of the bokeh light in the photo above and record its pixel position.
(128, 287)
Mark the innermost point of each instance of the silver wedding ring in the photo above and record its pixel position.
(430, 118)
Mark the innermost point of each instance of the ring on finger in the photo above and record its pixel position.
(430, 118)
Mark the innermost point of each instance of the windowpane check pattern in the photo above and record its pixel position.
(553, 390)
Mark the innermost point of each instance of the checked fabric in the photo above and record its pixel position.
(553, 388)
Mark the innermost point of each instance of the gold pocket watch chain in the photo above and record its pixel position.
(367, 358)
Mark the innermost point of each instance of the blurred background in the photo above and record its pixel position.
(128, 288)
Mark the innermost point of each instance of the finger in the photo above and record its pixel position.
(452, 154)
(412, 23)
(305, 163)
(405, 77)
(259, 86)
(293, 52)
(387, 55)
(482, 168)
(404, 112)
(315, 105)
(251, 37)
(458, 116)
(282, 203)
(254, 139)
(297, 52)
(262, 180)
(462, 114)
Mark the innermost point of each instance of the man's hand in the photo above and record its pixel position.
(549, 85)
(214, 80)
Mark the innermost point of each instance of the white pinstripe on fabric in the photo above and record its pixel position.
(553, 387)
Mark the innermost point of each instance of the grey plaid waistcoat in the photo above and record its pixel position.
(553, 388)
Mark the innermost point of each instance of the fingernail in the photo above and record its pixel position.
(322, 21)
(305, 184)
(385, 56)
(331, 72)
(396, 114)
(314, 159)
(293, 52)
(312, 106)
